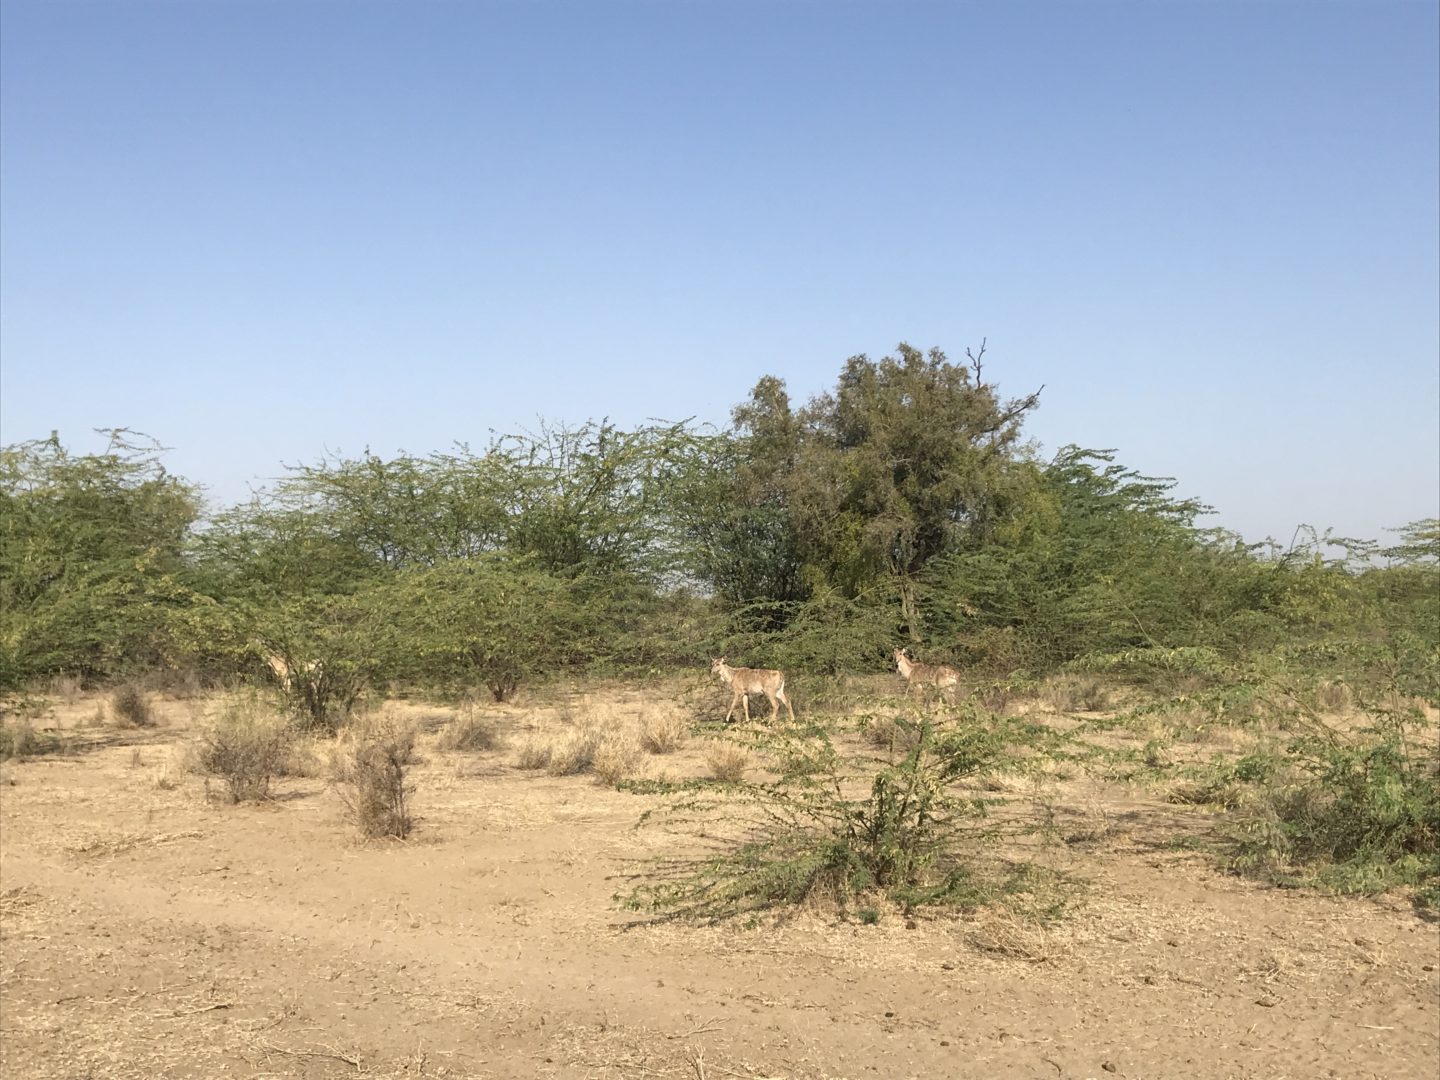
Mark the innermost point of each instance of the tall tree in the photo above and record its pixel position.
(91, 555)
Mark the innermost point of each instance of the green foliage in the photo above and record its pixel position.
(495, 620)
(332, 646)
(1355, 812)
(91, 558)
(911, 839)
(910, 458)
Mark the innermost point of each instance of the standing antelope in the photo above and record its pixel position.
(936, 675)
(745, 681)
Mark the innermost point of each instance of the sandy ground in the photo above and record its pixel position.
(149, 932)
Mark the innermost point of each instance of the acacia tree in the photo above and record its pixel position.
(91, 557)
(496, 620)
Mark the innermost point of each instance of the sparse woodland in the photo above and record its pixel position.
(903, 508)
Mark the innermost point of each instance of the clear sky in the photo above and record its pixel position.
(263, 230)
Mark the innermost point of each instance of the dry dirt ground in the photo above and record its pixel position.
(149, 932)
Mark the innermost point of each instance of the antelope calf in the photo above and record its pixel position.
(745, 681)
(937, 675)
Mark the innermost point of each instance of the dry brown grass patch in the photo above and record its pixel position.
(1002, 932)
(887, 733)
(728, 762)
(66, 688)
(574, 751)
(663, 731)
(617, 757)
(470, 731)
(1074, 693)
(533, 753)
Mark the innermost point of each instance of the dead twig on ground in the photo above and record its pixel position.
(271, 1048)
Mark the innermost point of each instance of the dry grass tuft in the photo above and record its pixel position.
(1334, 696)
(470, 731)
(663, 731)
(1002, 932)
(1074, 693)
(728, 762)
(888, 733)
(19, 740)
(534, 753)
(131, 706)
(67, 688)
(574, 752)
(617, 757)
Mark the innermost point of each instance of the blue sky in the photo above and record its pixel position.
(262, 231)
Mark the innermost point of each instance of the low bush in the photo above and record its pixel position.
(534, 753)
(1075, 693)
(130, 705)
(19, 740)
(728, 763)
(67, 688)
(911, 840)
(1348, 812)
(370, 774)
(616, 758)
(574, 752)
(470, 731)
(663, 732)
(245, 748)
(890, 733)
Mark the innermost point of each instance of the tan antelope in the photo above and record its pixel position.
(937, 675)
(282, 669)
(745, 681)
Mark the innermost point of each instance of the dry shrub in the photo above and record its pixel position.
(617, 757)
(65, 687)
(1002, 932)
(534, 753)
(888, 733)
(1091, 825)
(728, 762)
(302, 756)
(19, 739)
(1074, 693)
(1334, 696)
(369, 772)
(131, 706)
(994, 697)
(244, 747)
(663, 732)
(470, 731)
(574, 752)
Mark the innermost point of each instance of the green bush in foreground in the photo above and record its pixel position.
(912, 839)
(1350, 813)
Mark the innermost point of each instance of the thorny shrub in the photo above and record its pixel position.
(244, 747)
(370, 774)
(912, 839)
